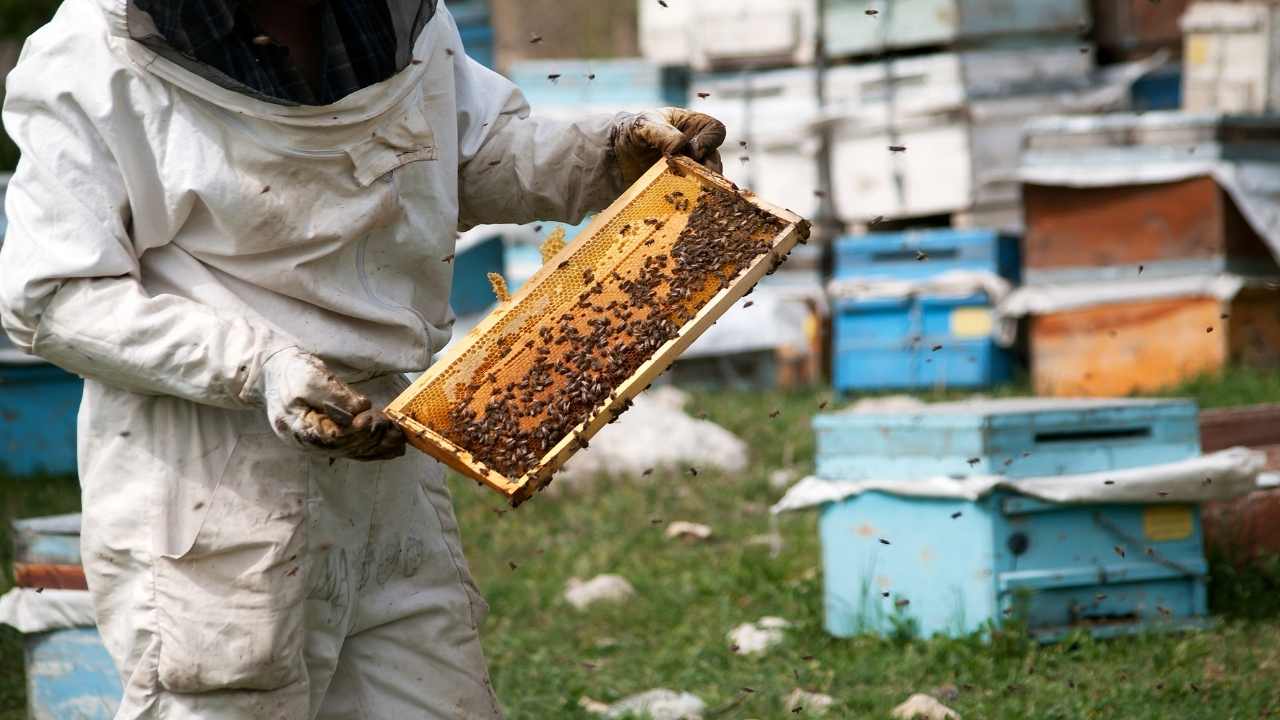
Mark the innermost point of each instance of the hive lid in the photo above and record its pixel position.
(1118, 130)
(1007, 411)
(51, 525)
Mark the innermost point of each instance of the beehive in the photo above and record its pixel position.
(69, 672)
(533, 382)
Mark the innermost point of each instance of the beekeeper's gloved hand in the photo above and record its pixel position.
(310, 408)
(640, 140)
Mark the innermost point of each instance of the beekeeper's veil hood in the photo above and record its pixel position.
(187, 32)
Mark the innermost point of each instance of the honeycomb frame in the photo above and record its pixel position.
(623, 235)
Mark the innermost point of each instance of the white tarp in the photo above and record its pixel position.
(1218, 476)
(1051, 298)
(33, 611)
(953, 284)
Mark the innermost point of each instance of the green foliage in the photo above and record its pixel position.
(19, 18)
(1235, 386)
(8, 152)
(903, 627)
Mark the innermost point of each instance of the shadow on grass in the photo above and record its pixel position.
(1247, 590)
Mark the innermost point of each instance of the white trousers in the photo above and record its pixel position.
(235, 578)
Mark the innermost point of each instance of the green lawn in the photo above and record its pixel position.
(545, 656)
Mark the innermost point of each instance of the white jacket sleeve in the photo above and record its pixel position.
(516, 168)
(70, 286)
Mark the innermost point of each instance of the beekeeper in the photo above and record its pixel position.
(235, 219)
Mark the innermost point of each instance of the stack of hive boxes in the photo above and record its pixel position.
(903, 323)
(1149, 258)
(570, 89)
(950, 80)
(1151, 240)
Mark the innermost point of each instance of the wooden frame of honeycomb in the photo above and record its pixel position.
(594, 327)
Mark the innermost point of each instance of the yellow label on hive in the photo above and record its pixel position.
(1162, 523)
(1197, 50)
(969, 323)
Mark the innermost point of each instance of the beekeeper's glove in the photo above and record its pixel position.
(311, 409)
(640, 140)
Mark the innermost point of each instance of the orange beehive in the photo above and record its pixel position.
(1151, 345)
(531, 384)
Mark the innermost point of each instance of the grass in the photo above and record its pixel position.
(1237, 386)
(545, 656)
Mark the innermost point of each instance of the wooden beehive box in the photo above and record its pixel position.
(1090, 215)
(1187, 224)
(1151, 345)
(1131, 29)
(531, 384)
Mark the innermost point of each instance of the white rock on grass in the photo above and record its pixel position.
(658, 704)
(657, 433)
(756, 637)
(803, 702)
(923, 707)
(602, 588)
(773, 541)
(783, 478)
(688, 531)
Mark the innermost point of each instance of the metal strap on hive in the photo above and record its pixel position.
(642, 224)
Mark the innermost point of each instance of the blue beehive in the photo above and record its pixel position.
(955, 566)
(476, 28)
(1160, 89)
(918, 340)
(38, 406)
(524, 257)
(471, 292)
(70, 676)
(1054, 566)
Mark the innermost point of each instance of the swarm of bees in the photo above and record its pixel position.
(574, 361)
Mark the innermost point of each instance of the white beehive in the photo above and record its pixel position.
(1231, 57)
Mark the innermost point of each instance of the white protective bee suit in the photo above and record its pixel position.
(195, 253)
